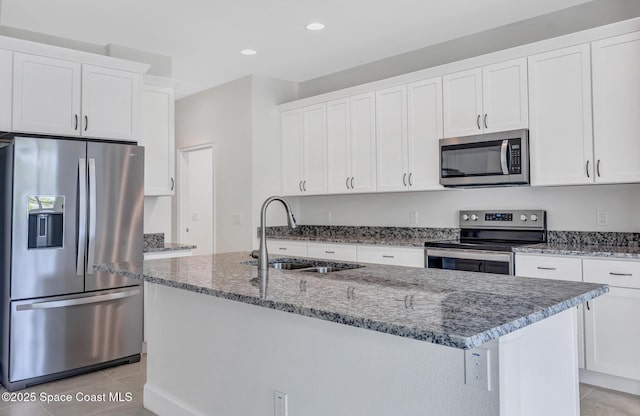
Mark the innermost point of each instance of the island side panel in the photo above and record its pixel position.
(211, 356)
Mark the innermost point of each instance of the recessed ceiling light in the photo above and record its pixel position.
(315, 26)
(248, 52)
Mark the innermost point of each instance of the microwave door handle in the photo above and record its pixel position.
(503, 157)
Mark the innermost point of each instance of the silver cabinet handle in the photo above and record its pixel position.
(410, 179)
(503, 157)
(173, 184)
(387, 256)
(621, 274)
(588, 176)
(478, 122)
(92, 215)
(282, 248)
(598, 168)
(485, 121)
(86, 123)
(546, 268)
(300, 186)
(81, 301)
(347, 182)
(76, 118)
(82, 215)
(304, 186)
(330, 252)
(404, 179)
(588, 307)
(352, 182)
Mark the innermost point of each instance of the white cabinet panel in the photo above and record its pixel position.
(287, 248)
(338, 146)
(462, 97)
(616, 108)
(158, 139)
(424, 132)
(505, 98)
(391, 130)
(618, 273)
(315, 150)
(111, 105)
(549, 267)
(398, 256)
(612, 337)
(362, 150)
(338, 252)
(560, 117)
(6, 86)
(292, 152)
(46, 95)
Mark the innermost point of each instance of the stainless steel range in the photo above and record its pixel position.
(487, 239)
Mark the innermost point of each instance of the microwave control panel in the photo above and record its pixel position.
(514, 150)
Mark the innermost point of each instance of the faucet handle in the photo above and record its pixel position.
(255, 254)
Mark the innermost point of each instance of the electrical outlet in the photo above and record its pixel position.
(477, 368)
(413, 217)
(279, 403)
(602, 218)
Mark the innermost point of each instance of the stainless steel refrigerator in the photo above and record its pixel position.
(65, 205)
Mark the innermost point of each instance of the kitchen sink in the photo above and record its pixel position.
(307, 266)
(290, 266)
(323, 270)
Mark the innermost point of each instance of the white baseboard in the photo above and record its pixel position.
(162, 403)
(610, 382)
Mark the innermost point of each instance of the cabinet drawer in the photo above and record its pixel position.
(549, 267)
(287, 248)
(411, 257)
(612, 272)
(340, 252)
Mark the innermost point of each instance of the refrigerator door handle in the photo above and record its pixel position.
(82, 216)
(81, 301)
(92, 216)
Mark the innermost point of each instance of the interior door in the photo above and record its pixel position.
(46, 217)
(116, 209)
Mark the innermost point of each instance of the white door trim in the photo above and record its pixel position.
(182, 182)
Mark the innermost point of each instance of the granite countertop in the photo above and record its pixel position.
(579, 249)
(452, 308)
(170, 247)
(398, 242)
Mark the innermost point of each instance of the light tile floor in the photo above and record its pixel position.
(594, 401)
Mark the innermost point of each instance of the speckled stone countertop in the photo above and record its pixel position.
(623, 252)
(452, 308)
(154, 243)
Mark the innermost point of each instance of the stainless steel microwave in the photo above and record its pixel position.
(494, 159)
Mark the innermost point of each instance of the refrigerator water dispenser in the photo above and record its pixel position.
(46, 221)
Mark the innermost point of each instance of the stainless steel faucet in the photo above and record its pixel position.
(263, 255)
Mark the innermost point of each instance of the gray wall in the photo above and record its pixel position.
(573, 19)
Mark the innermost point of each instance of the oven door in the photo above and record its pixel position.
(497, 262)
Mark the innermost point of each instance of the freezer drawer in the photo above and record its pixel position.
(68, 332)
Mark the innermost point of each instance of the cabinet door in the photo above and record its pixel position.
(612, 338)
(462, 98)
(504, 96)
(560, 117)
(286, 248)
(391, 131)
(338, 146)
(397, 256)
(424, 132)
(111, 107)
(338, 252)
(158, 139)
(616, 108)
(46, 95)
(315, 150)
(6, 85)
(292, 152)
(363, 143)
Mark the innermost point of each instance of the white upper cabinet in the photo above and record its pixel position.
(46, 95)
(158, 139)
(616, 108)
(111, 105)
(391, 131)
(6, 85)
(304, 150)
(484, 100)
(424, 131)
(292, 152)
(351, 144)
(560, 136)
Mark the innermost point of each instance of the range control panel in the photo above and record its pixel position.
(530, 219)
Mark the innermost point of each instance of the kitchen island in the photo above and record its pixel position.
(376, 340)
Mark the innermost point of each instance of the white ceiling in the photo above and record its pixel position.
(204, 37)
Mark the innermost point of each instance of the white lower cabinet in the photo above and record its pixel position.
(328, 251)
(287, 248)
(397, 256)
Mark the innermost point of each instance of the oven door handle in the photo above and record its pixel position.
(470, 254)
(503, 157)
